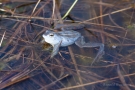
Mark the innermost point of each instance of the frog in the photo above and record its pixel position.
(68, 36)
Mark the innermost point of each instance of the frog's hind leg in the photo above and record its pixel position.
(69, 26)
(81, 43)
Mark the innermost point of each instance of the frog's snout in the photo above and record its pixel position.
(43, 35)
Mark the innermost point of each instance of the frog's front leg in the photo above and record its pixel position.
(81, 43)
(55, 49)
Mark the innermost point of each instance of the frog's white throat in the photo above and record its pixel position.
(52, 40)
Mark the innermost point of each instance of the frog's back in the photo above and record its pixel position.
(69, 37)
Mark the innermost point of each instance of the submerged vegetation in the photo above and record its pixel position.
(25, 62)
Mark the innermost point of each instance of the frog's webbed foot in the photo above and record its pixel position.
(69, 26)
(81, 43)
(55, 49)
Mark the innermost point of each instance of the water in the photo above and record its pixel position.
(22, 43)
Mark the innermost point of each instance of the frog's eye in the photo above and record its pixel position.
(51, 34)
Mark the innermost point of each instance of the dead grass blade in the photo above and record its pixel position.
(107, 14)
(101, 21)
(14, 82)
(2, 38)
(47, 69)
(99, 81)
(53, 9)
(13, 76)
(34, 9)
(76, 67)
(105, 33)
(122, 78)
(53, 83)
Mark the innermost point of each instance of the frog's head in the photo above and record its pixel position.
(51, 37)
